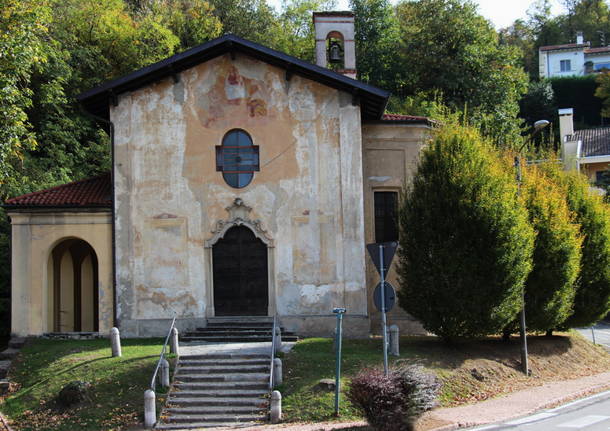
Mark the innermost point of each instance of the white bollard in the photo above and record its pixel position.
(276, 407)
(278, 338)
(150, 409)
(115, 342)
(277, 372)
(164, 374)
(173, 343)
(394, 341)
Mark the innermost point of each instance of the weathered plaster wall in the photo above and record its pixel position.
(391, 154)
(34, 235)
(307, 195)
(591, 169)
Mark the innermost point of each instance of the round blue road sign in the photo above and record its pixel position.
(390, 297)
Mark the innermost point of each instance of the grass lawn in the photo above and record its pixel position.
(470, 371)
(44, 367)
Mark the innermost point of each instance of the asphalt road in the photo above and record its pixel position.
(602, 333)
(590, 414)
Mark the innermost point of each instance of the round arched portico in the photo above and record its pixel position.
(61, 272)
(240, 264)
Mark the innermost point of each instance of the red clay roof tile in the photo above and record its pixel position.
(91, 192)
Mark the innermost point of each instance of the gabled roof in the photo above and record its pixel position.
(598, 50)
(565, 46)
(92, 192)
(595, 142)
(372, 99)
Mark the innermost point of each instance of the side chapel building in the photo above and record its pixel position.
(245, 182)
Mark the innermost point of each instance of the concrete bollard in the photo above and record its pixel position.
(164, 374)
(278, 338)
(150, 409)
(276, 407)
(277, 372)
(173, 342)
(115, 342)
(394, 341)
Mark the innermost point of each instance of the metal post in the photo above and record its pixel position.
(523, 329)
(384, 323)
(338, 337)
(593, 334)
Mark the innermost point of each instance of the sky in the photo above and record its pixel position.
(501, 13)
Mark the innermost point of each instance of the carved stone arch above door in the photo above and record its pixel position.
(239, 215)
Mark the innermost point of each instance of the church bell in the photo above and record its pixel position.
(334, 52)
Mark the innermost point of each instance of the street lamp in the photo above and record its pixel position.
(538, 126)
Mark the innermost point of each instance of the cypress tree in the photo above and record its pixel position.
(550, 287)
(466, 244)
(592, 301)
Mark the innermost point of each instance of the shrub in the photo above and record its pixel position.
(592, 301)
(465, 240)
(393, 402)
(550, 287)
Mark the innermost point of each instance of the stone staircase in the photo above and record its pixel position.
(214, 390)
(229, 330)
(224, 384)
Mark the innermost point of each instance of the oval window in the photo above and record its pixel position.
(237, 158)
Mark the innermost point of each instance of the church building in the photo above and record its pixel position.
(245, 182)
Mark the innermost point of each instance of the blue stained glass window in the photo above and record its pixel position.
(237, 158)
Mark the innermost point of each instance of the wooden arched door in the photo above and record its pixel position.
(240, 274)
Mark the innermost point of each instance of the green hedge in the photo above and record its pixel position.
(578, 92)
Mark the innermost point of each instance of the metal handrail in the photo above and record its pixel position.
(273, 347)
(162, 355)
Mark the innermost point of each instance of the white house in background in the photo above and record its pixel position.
(572, 59)
(587, 150)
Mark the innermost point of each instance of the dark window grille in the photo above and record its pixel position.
(386, 216)
(237, 158)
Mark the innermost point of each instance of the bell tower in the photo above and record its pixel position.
(335, 42)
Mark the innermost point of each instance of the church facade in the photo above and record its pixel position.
(245, 182)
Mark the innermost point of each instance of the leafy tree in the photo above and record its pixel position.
(603, 92)
(466, 243)
(22, 29)
(604, 184)
(377, 41)
(550, 287)
(447, 46)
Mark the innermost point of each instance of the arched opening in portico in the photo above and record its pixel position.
(73, 287)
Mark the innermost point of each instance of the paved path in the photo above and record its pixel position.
(591, 414)
(601, 332)
(521, 403)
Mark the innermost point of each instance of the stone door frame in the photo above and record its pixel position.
(239, 216)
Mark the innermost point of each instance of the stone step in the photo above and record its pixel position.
(186, 397)
(6, 364)
(217, 409)
(226, 356)
(164, 426)
(196, 402)
(235, 377)
(9, 353)
(16, 342)
(220, 368)
(220, 385)
(215, 362)
(4, 386)
(226, 417)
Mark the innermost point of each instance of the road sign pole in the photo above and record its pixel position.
(338, 336)
(383, 316)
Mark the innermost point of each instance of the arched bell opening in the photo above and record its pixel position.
(240, 274)
(335, 51)
(73, 287)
